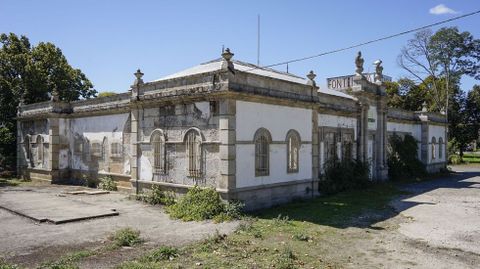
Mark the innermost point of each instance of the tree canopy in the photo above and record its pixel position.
(436, 62)
(31, 73)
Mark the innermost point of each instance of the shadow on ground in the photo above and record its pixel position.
(364, 208)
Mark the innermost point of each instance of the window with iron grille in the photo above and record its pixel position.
(39, 150)
(262, 152)
(158, 145)
(28, 148)
(96, 149)
(193, 142)
(78, 146)
(330, 148)
(434, 152)
(293, 148)
(116, 150)
(347, 146)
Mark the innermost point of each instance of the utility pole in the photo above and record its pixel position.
(258, 40)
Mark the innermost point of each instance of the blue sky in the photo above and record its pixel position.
(109, 40)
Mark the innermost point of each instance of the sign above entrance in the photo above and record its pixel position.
(345, 82)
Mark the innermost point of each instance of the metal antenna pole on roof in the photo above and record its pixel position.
(223, 48)
(258, 40)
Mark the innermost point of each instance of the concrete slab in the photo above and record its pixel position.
(50, 207)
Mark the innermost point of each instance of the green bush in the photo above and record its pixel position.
(198, 204)
(402, 159)
(157, 196)
(454, 159)
(107, 183)
(344, 175)
(126, 237)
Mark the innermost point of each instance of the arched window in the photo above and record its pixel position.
(158, 146)
(193, 141)
(39, 150)
(434, 150)
(262, 142)
(440, 148)
(293, 148)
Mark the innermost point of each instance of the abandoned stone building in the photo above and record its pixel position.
(254, 134)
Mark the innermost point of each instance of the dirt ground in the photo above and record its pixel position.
(29, 243)
(436, 225)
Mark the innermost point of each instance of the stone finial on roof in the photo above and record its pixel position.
(378, 71)
(424, 106)
(135, 89)
(55, 96)
(227, 63)
(311, 78)
(138, 76)
(359, 64)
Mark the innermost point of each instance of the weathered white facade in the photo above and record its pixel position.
(254, 134)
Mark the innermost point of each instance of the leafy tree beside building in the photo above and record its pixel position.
(29, 73)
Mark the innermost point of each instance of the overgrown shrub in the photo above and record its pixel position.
(344, 175)
(107, 183)
(201, 204)
(198, 204)
(156, 196)
(402, 159)
(454, 159)
(126, 237)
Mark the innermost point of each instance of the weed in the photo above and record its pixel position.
(107, 183)
(126, 237)
(302, 237)
(281, 220)
(6, 265)
(286, 259)
(60, 264)
(163, 253)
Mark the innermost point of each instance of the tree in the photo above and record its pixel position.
(31, 73)
(473, 111)
(447, 54)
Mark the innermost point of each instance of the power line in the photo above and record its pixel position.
(369, 42)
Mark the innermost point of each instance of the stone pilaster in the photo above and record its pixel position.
(424, 138)
(363, 133)
(315, 150)
(54, 156)
(381, 136)
(20, 163)
(227, 134)
(134, 146)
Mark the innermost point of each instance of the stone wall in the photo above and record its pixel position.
(174, 121)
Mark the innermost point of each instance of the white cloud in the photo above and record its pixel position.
(442, 9)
